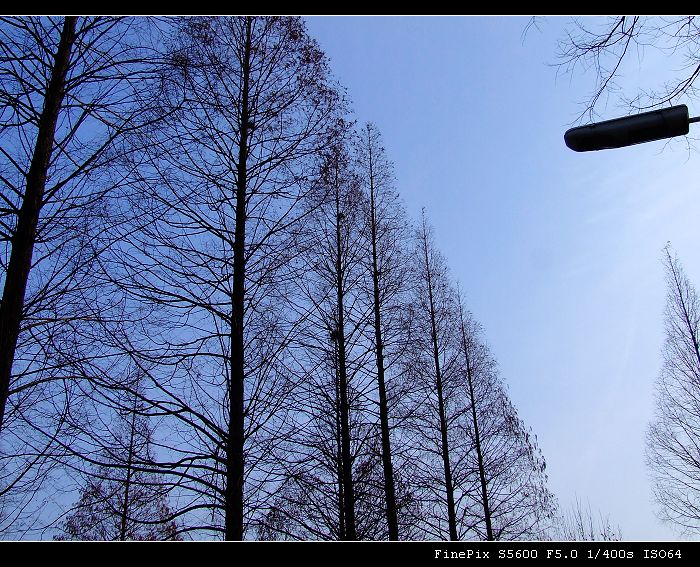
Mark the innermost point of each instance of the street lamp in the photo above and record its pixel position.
(637, 129)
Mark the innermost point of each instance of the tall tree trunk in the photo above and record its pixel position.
(129, 470)
(389, 490)
(348, 488)
(28, 217)
(234, 449)
(339, 446)
(477, 437)
(449, 489)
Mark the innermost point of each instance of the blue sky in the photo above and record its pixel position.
(559, 253)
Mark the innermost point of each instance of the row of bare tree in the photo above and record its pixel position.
(216, 316)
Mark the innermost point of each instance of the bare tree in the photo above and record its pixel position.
(329, 452)
(471, 369)
(338, 336)
(480, 473)
(347, 259)
(439, 407)
(509, 494)
(673, 438)
(213, 216)
(70, 89)
(122, 498)
(27, 214)
(388, 231)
